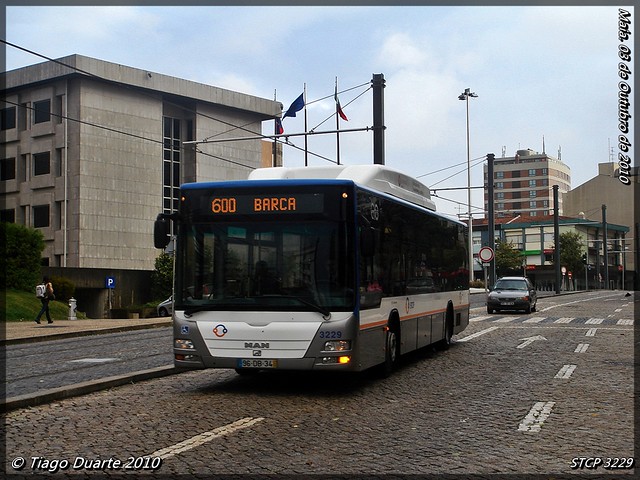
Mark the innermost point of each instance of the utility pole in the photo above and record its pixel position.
(378, 118)
(556, 238)
(491, 218)
(605, 247)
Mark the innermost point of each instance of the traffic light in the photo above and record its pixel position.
(584, 258)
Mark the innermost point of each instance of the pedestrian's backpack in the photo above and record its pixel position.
(41, 290)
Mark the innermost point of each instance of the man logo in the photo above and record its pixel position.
(253, 345)
(220, 331)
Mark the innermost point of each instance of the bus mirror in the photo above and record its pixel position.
(367, 242)
(161, 232)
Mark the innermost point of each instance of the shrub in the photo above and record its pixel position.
(21, 259)
(63, 288)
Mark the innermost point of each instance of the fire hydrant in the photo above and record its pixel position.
(72, 309)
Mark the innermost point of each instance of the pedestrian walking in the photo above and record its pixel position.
(44, 292)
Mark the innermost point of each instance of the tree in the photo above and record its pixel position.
(162, 277)
(571, 250)
(507, 257)
(21, 262)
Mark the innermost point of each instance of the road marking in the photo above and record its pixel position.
(505, 319)
(566, 371)
(93, 360)
(579, 301)
(534, 320)
(594, 321)
(618, 310)
(564, 320)
(477, 334)
(536, 417)
(581, 348)
(625, 321)
(477, 319)
(591, 332)
(530, 340)
(205, 437)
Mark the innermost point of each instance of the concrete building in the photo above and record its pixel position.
(92, 151)
(621, 207)
(533, 237)
(523, 184)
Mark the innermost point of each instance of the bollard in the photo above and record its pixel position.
(72, 309)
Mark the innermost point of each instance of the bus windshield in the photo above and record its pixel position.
(267, 265)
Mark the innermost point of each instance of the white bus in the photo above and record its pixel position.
(336, 268)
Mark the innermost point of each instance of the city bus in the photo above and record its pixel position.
(338, 268)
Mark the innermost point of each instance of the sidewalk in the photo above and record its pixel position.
(30, 331)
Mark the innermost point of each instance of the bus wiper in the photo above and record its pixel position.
(320, 309)
(323, 311)
(200, 308)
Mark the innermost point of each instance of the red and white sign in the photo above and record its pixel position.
(486, 254)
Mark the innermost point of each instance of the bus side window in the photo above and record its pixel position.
(367, 242)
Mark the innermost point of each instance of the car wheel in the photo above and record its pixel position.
(163, 312)
(528, 309)
(489, 310)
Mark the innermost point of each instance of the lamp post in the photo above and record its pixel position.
(465, 97)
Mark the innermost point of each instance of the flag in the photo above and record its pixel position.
(296, 106)
(338, 107)
(279, 128)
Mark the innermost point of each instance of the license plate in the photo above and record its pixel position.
(506, 303)
(257, 363)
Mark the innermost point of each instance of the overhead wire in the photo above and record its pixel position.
(197, 113)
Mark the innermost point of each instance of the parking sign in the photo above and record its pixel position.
(110, 282)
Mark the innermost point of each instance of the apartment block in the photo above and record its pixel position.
(523, 184)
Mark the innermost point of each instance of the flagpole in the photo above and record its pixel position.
(275, 132)
(306, 150)
(337, 126)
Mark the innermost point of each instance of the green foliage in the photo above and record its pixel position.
(571, 250)
(508, 258)
(22, 254)
(63, 288)
(162, 277)
(24, 306)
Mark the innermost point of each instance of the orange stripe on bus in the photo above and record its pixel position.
(408, 317)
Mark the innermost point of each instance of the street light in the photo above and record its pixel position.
(465, 97)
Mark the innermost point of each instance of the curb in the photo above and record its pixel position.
(81, 333)
(77, 389)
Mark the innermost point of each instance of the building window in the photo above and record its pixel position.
(171, 165)
(499, 195)
(499, 174)
(41, 163)
(545, 203)
(8, 216)
(532, 183)
(532, 172)
(42, 111)
(533, 193)
(545, 171)
(499, 185)
(532, 204)
(40, 216)
(8, 118)
(533, 213)
(7, 169)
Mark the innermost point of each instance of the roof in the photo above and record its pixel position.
(524, 221)
(89, 67)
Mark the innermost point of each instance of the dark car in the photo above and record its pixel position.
(512, 293)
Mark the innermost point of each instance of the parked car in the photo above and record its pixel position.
(165, 308)
(512, 293)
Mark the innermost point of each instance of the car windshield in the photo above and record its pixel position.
(511, 285)
(264, 266)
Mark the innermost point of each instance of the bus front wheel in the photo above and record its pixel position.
(391, 351)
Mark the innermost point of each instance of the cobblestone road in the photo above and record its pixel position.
(515, 394)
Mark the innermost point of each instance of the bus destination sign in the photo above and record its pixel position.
(273, 203)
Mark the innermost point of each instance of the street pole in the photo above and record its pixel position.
(556, 238)
(465, 96)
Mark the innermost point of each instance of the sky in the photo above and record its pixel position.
(545, 76)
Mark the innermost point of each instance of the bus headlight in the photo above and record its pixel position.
(183, 344)
(337, 346)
